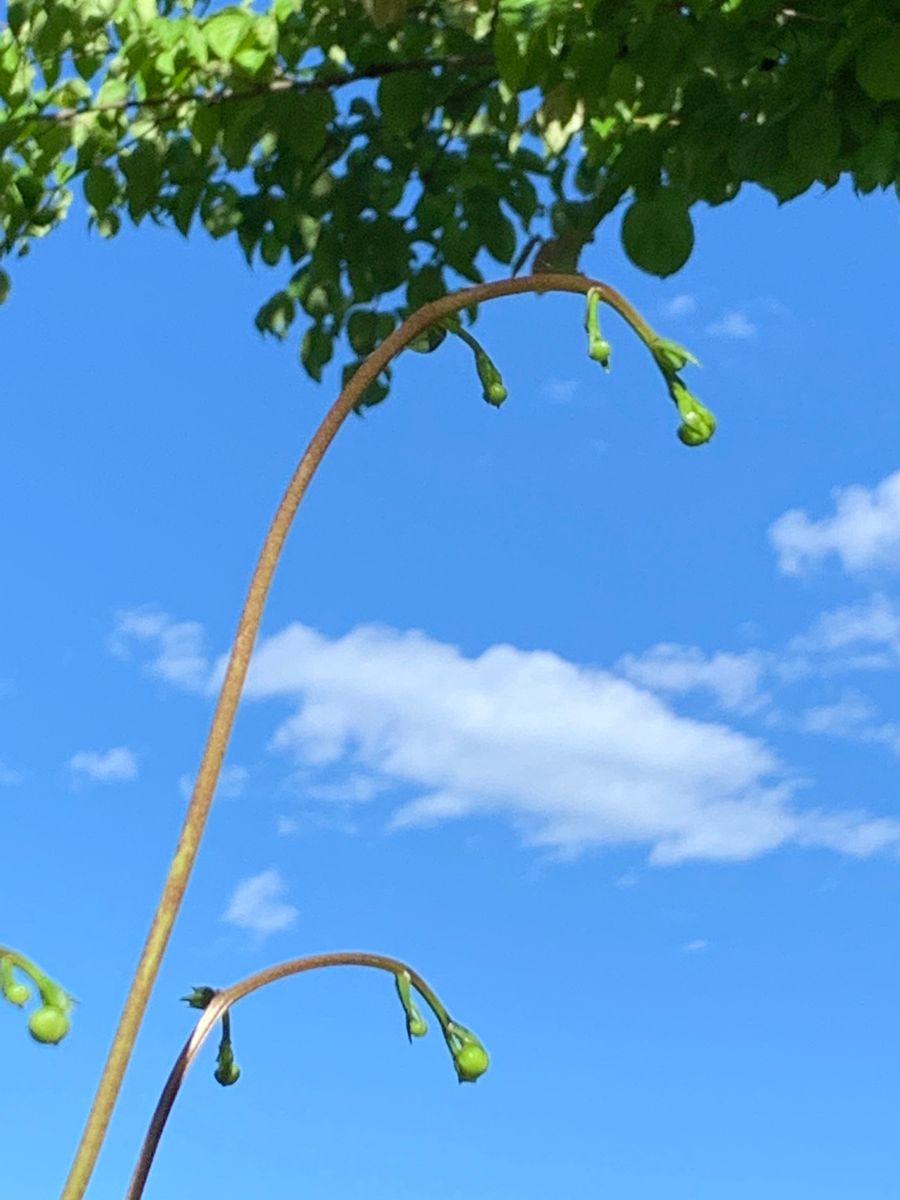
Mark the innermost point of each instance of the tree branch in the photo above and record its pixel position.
(282, 83)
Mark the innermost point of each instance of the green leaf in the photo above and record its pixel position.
(142, 169)
(185, 205)
(316, 350)
(401, 98)
(252, 59)
(225, 31)
(500, 239)
(658, 234)
(878, 66)
(814, 138)
(5, 286)
(108, 224)
(276, 315)
(101, 188)
(362, 330)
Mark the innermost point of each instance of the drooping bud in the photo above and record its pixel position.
(470, 1058)
(227, 1071)
(15, 992)
(599, 348)
(48, 1024)
(491, 380)
(416, 1025)
(698, 423)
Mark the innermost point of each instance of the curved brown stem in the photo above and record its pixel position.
(219, 1007)
(239, 662)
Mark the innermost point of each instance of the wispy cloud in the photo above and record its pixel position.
(853, 718)
(108, 766)
(287, 826)
(257, 905)
(733, 324)
(855, 637)
(863, 531)
(732, 679)
(176, 648)
(8, 776)
(560, 391)
(682, 305)
(695, 946)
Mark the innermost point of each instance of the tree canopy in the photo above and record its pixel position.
(374, 152)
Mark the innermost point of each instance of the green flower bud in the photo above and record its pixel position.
(49, 1025)
(600, 351)
(496, 394)
(227, 1071)
(698, 422)
(491, 380)
(15, 992)
(471, 1062)
(469, 1056)
(416, 1025)
(671, 356)
(691, 437)
(599, 348)
(199, 997)
(227, 1075)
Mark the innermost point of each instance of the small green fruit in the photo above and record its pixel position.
(17, 993)
(600, 351)
(471, 1061)
(416, 1025)
(227, 1074)
(495, 393)
(48, 1025)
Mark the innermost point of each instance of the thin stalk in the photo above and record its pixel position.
(220, 1005)
(239, 661)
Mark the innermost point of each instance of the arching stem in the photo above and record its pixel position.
(239, 661)
(219, 1006)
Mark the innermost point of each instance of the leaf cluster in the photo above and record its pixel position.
(376, 152)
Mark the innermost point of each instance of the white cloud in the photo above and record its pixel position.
(256, 904)
(287, 826)
(111, 766)
(560, 391)
(842, 719)
(8, 776)
(852, 717)
(177, 647)
(695, 946)
(864, 636)
(732, 679)
(574, 756)
(864, 530)
(682, 305)
(358, 789)
(733, 324)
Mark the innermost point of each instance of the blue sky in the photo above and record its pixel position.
(599, 732)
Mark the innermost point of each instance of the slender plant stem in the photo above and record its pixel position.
(239, 661)
(219, 1006)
